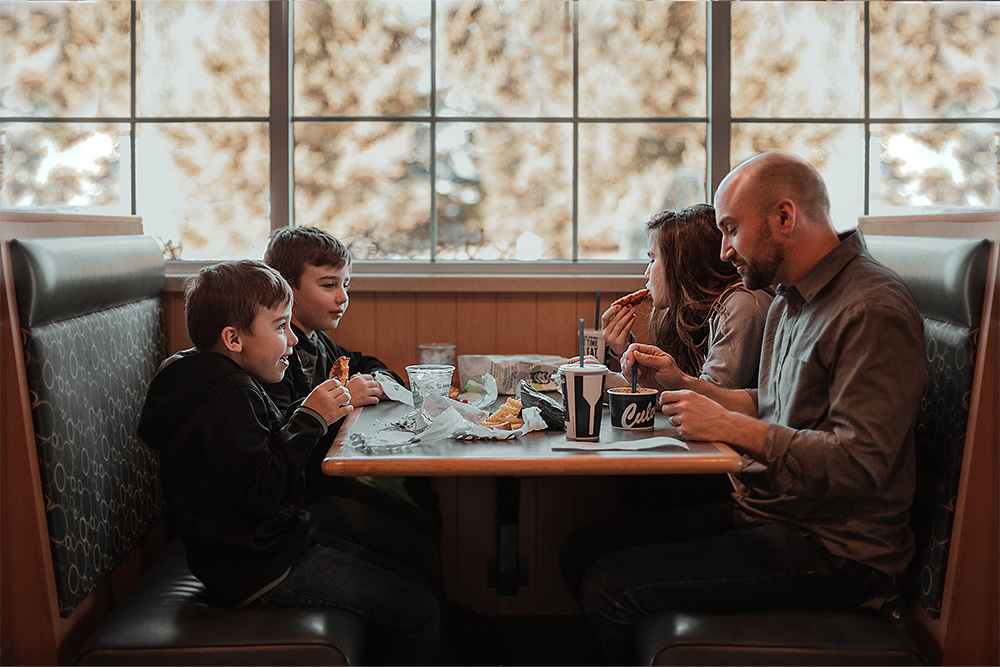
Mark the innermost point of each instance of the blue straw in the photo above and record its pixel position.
(581, 341)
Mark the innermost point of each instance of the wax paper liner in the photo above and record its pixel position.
(443, 418)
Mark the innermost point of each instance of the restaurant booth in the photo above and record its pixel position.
(501, 532)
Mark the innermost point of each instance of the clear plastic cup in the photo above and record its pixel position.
(437, 353)
(428, 379)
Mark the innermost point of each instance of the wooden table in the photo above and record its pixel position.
(531, 455)
(528, 455)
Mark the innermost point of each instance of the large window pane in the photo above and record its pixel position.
(504, 191)
(642, 59)
(628, 172)
(797, 59)
(918, 167)
(958, 47)
(368, 184)
(505, 58)
(202, 189)
(202, 58)
(76, 166)
(64, 59)
(836, 151)
(362, 58)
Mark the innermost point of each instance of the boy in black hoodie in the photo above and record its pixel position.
(397, 516)
(232, 470)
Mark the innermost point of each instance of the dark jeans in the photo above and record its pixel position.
(700, 559)
(404, 613)
(381, 524)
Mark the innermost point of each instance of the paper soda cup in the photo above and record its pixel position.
(632, 410)
(583, 390)
(593, 343)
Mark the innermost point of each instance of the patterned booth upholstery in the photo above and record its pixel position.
(93, 336)
(947, 277)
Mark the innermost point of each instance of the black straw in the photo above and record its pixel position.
(635, 375)
(597, 313)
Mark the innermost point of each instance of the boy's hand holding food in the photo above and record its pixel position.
(365, 390)
(331, 400)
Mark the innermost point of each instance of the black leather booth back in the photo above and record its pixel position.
(92, 328)
(947, 277)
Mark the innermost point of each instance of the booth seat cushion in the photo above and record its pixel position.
(168, 621)
(775, 638)
(59, 278)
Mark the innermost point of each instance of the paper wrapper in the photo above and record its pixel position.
(392, 389)
(443, 417)
(508, 370)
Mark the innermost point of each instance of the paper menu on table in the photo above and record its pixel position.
(623, 445)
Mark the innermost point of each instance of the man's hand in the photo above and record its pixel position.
(365, 390)
(616, 323)
(656, 367)
(330, 400)
(695, 417)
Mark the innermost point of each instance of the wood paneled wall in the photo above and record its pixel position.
(390, 325)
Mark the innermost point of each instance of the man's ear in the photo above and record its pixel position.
(786, 216)
(231, 339)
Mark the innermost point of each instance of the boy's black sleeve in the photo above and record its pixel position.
(257, 461)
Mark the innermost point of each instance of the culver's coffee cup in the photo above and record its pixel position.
(632, 410)
(583, 390)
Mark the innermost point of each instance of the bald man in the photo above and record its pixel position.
(819, 518)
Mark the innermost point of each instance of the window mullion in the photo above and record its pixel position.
(279, 120)
(433, 231)
(133, 134)
(719, 65)
(866, 167)
(575, 208)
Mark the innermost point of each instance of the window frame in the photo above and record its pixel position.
(281, 120)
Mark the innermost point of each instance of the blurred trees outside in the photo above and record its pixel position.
(502, 100)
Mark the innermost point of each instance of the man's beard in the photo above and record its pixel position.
(759, 273)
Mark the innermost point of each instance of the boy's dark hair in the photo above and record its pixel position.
(292, 249)
(230, 294)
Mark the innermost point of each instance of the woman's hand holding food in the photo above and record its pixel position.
(617, 325)
(331, 400)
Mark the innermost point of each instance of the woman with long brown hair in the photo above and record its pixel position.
(705, 318)
(702, 315)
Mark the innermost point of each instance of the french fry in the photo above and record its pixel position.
(506, 416)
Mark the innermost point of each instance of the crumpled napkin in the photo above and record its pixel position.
(392, 389)
(443, 417)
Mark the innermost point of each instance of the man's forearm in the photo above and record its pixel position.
(741, 428)
(734, 400)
